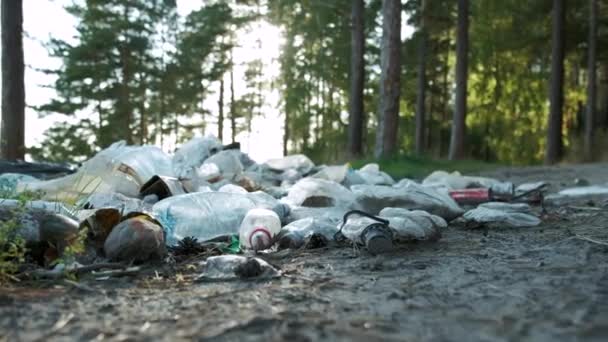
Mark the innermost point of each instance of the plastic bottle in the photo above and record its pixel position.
(368, 230)
(294, 235)
(208, 215)
(259, 228)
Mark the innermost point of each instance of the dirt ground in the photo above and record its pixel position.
(544, 283)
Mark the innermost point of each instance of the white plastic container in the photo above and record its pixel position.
(258, 229)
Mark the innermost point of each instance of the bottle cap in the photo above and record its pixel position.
(260, 239)
(378, 239)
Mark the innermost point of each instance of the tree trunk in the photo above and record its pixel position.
(421, 95)
(591, 81)
(12, 146)
(232, 104)
(357, 77)
(554, 133)
(460, 110)
(124, 109)
(390, 77)
(220, 117)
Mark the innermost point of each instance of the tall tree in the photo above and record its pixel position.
(421, 88)
(591, 81)
(388, 118)
(554, 133)
(220, 117)
(233, 113)
(460, 109)
(12, 145)
(357, 78)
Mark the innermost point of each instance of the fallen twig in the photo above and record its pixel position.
(588, 239)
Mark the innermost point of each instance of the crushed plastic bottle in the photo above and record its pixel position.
(368, 230)
(207, 215)
(258, 229)
(413, 225)
(295, 234)
(407, 195)
(502, 214)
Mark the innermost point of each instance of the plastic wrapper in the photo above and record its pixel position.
(374, 198)
(372, 175)
(578, 195)
(298, 162)
(455, 181)
(207, 215)
(234, 189)
(115, 200)
(502, 215)
(118, 168)
(232, 267)
(413, 225)
(191, 155)
(333, 173)
(313, 192)
(227, 162)
(295, 234)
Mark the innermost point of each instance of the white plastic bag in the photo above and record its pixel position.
(374, 198)
(299, 162)
(314, 192)
(373, 176)
(413, 225)
(502, 214)
(456, 181)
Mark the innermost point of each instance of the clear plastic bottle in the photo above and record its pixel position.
(208, 215)
(258, 229)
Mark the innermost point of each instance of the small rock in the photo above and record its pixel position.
(581, 182)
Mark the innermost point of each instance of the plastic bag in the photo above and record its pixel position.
(332, 173)
(115, 200)
(231, 267)
(227, 162)
(299, 162)
(295, 234)
(502, 214)
(413, 225)
(580, 194)
(191, 155)
(313, 192)
(374, 198)
(234, 189)
(118, 168)
(455, 181)
(207, 215)
(373, 176)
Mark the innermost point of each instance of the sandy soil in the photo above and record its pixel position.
(528, 284)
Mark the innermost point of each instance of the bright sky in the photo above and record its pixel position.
(44, 19)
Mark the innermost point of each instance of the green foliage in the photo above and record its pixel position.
(12, 245)
(419, 167)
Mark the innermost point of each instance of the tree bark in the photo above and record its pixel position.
(591, 81)
(390, 78)
(220, 117)
(421, 95)
(554, 133)
(232, 104)
(357, 74)
(12, 146)
(460, 110)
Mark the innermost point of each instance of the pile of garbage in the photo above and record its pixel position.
(136, 203)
